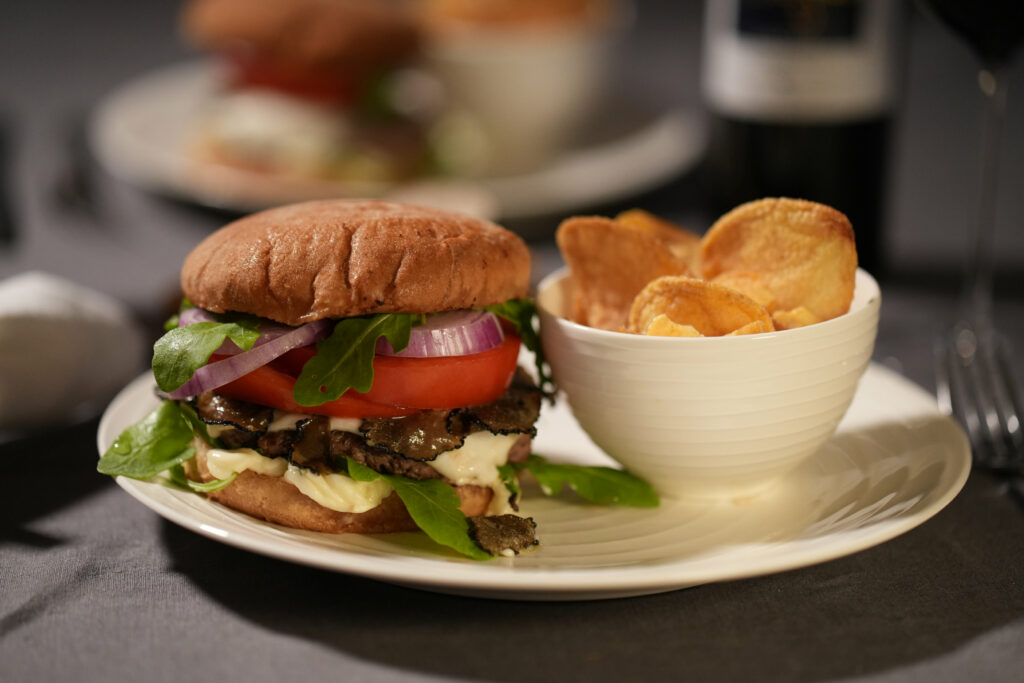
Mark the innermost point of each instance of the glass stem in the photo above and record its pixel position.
(978, 278)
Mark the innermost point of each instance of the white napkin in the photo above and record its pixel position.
(64, 349)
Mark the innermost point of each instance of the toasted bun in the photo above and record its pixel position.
(277, 501)
(316, 34)
(342, 258)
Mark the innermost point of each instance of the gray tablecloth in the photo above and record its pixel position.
(96, 587)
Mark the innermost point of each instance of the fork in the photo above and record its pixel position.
(975, 383)
(973, 376)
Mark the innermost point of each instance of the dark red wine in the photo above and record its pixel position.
(994, 28)
(800, 96)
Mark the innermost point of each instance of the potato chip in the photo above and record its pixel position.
(801, 251)
(664, 326)
(796, 317)
(610, 262)
(753, 327)
(685, 245)
(749, 284)
(711, 309)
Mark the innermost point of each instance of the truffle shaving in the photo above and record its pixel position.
(503, 534)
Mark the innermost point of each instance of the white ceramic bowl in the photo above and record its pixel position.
(527, 91)
(715, 416)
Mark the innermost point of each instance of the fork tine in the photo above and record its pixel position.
(975, 384)
(972, 398)
(953, 367)
(1007, 400)
(941, 360)
(990, 400)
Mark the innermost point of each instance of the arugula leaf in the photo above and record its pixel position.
(172, 322)
(178, 478)
(601, 485)
(508, 473)
(181, 351)
(198, 426)
(147, 448)
(433, 505)
(344, 360)
(361, 472)
(522, 313)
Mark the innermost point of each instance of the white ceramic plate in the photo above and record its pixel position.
(894, 463)
(137, 133)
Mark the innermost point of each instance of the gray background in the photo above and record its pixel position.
(95, 587)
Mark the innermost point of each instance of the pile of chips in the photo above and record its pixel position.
(770, 264)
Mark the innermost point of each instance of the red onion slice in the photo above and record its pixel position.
(194, 315)
(221, 372)
(269, 330)
(457, 333)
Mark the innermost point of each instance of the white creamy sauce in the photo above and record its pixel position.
(338, 491)
(346, 424)
(216, 430)
(475, 463)
(334, 491)
(283, 421)
(222, 463)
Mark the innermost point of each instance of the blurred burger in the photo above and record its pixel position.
(306, 88)
(350, 366)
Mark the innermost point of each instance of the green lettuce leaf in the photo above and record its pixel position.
(433, 505)
(522, 313)
(507, 473)
(601, 485)
(183, 350)
(198, 426)
(178, 478)
(172, 322)
(344, 360)
(147, 448)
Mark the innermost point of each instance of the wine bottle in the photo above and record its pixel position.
(800, 96)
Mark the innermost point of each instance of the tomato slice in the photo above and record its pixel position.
(401, 386)
(257, 71)
(269, 386)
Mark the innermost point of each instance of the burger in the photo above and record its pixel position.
(350, 366)
(306, 88)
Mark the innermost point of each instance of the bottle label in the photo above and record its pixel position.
(799, 61)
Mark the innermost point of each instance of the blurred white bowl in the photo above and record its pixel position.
(715, 416)
(526, 91)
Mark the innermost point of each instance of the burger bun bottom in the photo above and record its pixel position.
(275, 500)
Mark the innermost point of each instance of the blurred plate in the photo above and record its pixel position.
(137, 133)
(894, 463)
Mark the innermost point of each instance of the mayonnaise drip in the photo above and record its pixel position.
(475, 463)
(333, 491)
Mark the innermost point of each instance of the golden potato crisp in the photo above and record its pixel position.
(710, 309)
(683, 244)
(664, 326)
(801, 251)
(610, 262)
(748, 284)
(753, 327)
(797, 317)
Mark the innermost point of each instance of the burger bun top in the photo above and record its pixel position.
(321, 35)
(343, 258)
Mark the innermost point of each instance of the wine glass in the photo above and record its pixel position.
(973, 376)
